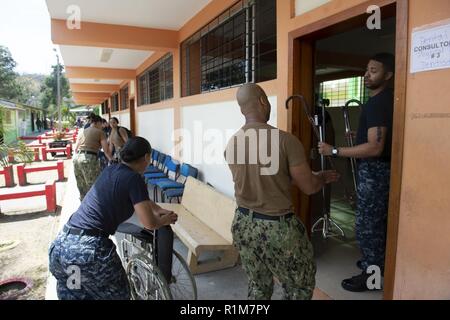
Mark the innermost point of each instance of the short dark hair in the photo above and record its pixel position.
(134, 149)
(387, 59)
(95, 119)
(114, 118)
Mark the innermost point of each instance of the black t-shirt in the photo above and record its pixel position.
(111, 199)
(377, 112)
(319, 115)
(107, 131)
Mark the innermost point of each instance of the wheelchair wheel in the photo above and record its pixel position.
(146, 280)
(182, 284)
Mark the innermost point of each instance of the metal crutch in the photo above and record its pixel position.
(327, 222)
(350, 144)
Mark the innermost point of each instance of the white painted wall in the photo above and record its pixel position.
(132, 88)
(157, 127)
(124, 120)
(204, 123)
(303, 6)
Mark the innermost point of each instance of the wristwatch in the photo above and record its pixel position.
(335, 152)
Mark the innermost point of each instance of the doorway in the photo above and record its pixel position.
(329, 65)
(132, 116)
(32, 122)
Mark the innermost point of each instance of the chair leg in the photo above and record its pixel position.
(154, 194)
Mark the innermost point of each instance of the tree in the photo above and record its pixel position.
(15, 87)
(9, 88)
(49, 88)
(67, 115)
(31, 88)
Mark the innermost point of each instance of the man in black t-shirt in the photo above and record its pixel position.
(373, 151)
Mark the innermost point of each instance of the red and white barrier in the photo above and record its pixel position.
(49, 192)
(67, 150)
(35, 148)
(72, 136)
(22, 171)
(9, 176)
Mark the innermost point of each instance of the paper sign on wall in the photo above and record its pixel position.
(430, 48)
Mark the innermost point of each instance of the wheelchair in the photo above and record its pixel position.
(154, 269)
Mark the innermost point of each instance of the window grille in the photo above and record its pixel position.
(238, 46)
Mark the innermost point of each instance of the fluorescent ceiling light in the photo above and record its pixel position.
(106, 55)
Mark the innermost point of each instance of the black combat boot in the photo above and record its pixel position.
(357, 283)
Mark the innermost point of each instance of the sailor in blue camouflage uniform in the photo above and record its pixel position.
(82, 258)
(373, 151)
(87, 267)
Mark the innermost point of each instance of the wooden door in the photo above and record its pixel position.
(301, 127)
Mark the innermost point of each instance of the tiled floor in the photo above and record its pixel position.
(335, 261)
(336, 258)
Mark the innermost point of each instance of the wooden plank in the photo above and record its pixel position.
(194, 233)
(227, 260)
(301, 128)
(200, 238)
(211, 207)
(398, 137)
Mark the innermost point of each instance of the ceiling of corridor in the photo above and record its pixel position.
(77, 56)
(161, 14)
(150, 14)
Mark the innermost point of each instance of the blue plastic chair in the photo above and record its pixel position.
(185, 171)
(153, 167)
(173, 193)
(172, 170)
(160, 173)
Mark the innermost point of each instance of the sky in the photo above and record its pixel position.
(25, 30)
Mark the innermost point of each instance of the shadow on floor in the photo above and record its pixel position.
(10, 217)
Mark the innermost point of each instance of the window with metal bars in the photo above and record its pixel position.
(238, 46)
(115, 103)
(124, 104)
(156, 83)
(342, 90)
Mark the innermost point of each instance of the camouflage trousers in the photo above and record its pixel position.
(87, 268)
(372, 210)
(87, 168)
(278, 249)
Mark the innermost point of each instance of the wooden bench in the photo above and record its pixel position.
(204, 225)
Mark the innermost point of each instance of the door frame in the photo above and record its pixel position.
(301, 48)
(132, 109)
(32, 121)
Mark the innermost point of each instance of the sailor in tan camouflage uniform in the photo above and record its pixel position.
(86, 163)
(271, 240)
